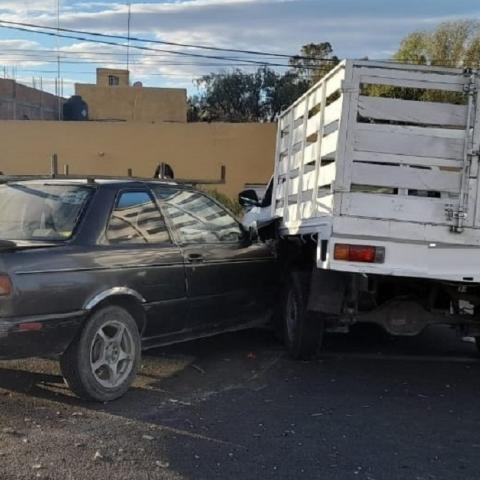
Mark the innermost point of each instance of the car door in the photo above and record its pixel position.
(142, 255)
(228, 276)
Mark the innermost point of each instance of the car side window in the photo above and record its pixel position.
(136, 220)
(197, 218)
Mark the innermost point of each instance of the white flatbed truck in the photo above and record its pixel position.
(376, 202)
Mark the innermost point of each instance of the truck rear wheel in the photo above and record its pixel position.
(303, 330)
(102, 363)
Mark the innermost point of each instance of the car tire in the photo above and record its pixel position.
(103, 362)
(303, 329)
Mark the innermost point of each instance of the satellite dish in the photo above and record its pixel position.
(138, 84)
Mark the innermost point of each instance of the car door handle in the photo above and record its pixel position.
(195, 257)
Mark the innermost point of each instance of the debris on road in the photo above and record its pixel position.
(199, 369)
(98, 456)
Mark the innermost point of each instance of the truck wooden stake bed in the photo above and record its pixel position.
(376, 195)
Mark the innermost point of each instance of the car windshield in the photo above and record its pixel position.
(30, 211)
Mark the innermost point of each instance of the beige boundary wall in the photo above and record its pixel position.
(195, 150)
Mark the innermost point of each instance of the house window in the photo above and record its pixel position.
(113, 80)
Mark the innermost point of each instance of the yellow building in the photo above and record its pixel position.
(113, 99)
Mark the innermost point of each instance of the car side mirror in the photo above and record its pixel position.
(248, 198)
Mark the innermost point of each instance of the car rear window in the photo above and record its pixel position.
(40, 211)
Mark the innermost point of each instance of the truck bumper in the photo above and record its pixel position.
(38, 335)
(436, 261)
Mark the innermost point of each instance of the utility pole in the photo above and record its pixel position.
(59, 101)
(129, 19)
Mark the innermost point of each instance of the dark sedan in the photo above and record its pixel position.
(93, 271)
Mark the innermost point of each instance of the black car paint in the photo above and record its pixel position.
(184, 291)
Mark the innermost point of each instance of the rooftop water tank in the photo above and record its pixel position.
(75, 109)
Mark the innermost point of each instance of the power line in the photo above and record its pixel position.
(90, 52)
(87, 59)
(163, 42)
(138, 47)
(37, 53)
(65, 61)
(84, 54)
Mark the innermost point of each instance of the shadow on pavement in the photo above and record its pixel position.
(235, 406)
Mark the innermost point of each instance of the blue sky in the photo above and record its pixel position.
(355, 28)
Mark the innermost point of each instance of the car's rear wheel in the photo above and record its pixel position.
(303, 329)
(102, 364)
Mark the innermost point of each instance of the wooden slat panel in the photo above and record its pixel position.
(282, 166)
(330, 128)
(394, 207)
(313, 124)
(292, 211)
(293, 186)
(306, 155)
(284, 141)
(412, 79)
(297, 157)
(310, 153)
(335, 83)
(406, 67)
(406, 160)
(299, 110)
(429, 113)
(411, 83)
(284, 121)
(332, 114)
(413, 74)
(329, 144)
(414, 141)
(326, 175)
(295, 160)
(280, 190)
(308, 181)
(325, 205)
(306, 210)
(333, 111)
(315, 98)
(404, 177)
(298, 134)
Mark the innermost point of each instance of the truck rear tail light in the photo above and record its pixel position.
(359, 253)
(5, 285)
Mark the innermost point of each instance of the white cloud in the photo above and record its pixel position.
(368, 28)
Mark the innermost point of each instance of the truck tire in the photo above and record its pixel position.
(103, 362)
(303, 330)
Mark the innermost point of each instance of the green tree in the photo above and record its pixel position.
(451, 44)
(314, 61)
(238, 96)
(233, 97)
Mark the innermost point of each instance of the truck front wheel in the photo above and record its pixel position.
(303, 329)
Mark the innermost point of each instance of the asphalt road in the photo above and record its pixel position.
(236, 407)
